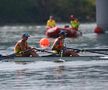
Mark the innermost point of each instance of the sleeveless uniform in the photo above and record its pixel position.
(58, 45)
(20, 47)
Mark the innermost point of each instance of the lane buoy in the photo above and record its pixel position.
(44, 43)
(98, 30)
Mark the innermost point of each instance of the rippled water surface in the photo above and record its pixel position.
(43, 74)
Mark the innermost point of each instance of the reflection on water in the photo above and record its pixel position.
(66, 76)
(48, 75)
(9, 35)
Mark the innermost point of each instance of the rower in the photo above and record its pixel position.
(23, 49)
(51, 22)
(58, 46)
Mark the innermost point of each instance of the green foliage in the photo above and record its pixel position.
(38, 11)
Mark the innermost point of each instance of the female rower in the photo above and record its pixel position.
(58, 46)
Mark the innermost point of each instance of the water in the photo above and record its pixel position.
(48, 75)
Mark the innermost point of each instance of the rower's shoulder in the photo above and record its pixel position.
(19, 42)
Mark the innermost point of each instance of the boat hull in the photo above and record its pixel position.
(54, 59)
(49, 56)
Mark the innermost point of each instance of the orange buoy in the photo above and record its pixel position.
(98, 30)
(44, 43)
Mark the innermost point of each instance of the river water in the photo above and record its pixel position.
(48, 75)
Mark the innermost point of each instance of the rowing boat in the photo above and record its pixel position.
(54, 59)
(49, 56)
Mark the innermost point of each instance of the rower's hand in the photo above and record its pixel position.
(34, 49)
(81, 50)
(77, 51)
(22, 52)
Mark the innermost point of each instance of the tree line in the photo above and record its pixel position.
(38, 11)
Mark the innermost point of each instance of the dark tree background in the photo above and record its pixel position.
(38, 11)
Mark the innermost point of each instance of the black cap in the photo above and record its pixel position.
(26, 35)
(62, 33)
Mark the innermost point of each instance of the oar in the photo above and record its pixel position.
(98, 52)
(102, 49)
(45, 50)
(92, 50)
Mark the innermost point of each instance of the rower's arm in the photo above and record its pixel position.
(55, 44)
